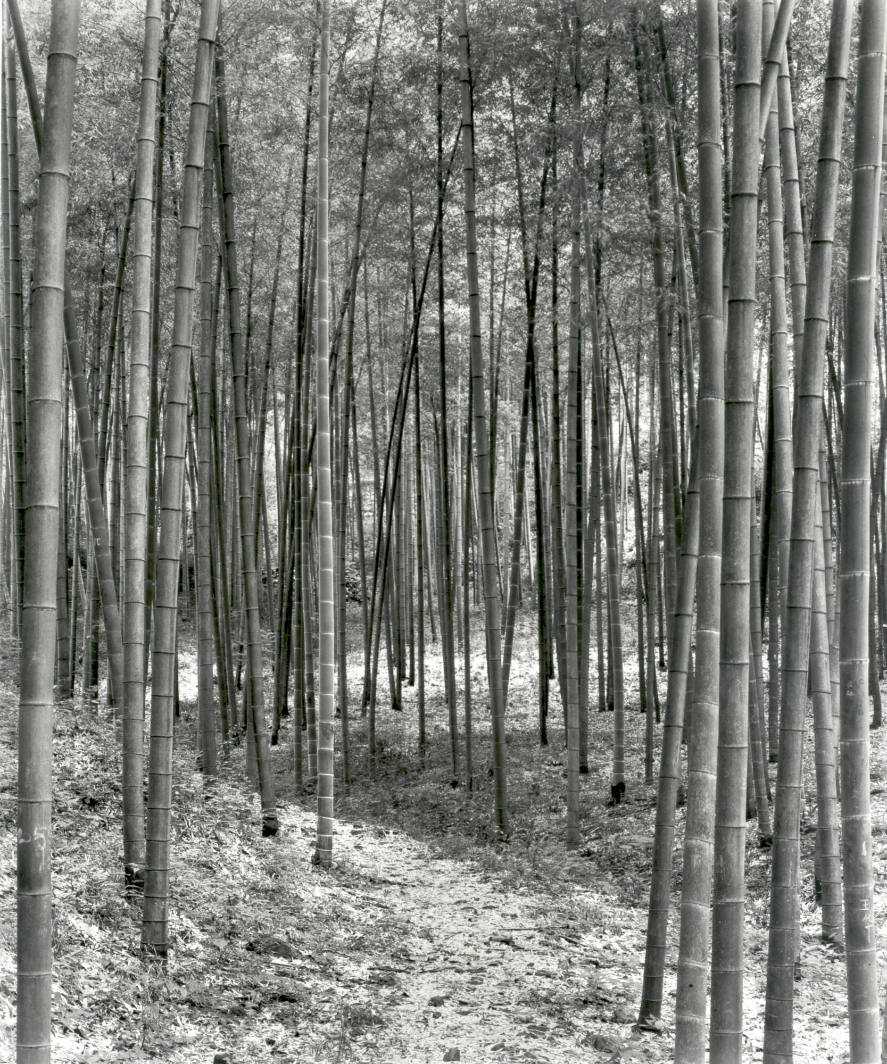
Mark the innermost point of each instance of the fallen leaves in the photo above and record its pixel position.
(426, 942)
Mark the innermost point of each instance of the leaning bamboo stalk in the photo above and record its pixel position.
(156, 906)
(245, 494)
(15, 319)
(828, 841)
(90, 464)
(805, 486)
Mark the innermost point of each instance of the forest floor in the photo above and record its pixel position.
(428, 940)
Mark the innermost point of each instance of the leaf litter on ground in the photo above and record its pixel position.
(428, 939)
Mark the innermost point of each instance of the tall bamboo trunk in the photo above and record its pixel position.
(481, 438)
(671, 504)
(38, 629)
(205, 701)
(447, 599)
(729, 839)
(570, 561)
(602, 410)
(855, 539)
(324, 845)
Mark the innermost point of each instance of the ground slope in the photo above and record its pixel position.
(428, 940)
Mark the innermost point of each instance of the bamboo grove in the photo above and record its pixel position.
(333, 331)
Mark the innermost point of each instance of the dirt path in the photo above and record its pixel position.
(446, 960)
